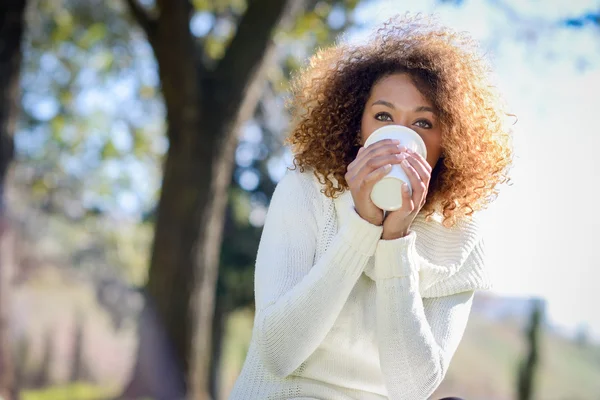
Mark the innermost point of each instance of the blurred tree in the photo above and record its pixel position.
(90, 139)
(43, 374)
(582, 335)
(529, 366)
(205, 106)
(11, 32)
(80, 371)
(22, 353)
(90, 136)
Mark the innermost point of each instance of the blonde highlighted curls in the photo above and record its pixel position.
(329, 95)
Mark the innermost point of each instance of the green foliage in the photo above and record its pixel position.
(90, 94)
(93, 35)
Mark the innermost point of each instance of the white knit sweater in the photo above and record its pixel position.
(342, 314)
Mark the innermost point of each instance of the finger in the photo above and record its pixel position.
(423, 172)
(387, 146)
(421, 159)
(377, 162)
(371, 157)
(375, 176)
(377, 149)
(418, 187)
(407, 202)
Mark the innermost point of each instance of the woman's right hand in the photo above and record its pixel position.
(369, 167)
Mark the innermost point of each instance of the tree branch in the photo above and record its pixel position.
(146, 21)
(251, 43)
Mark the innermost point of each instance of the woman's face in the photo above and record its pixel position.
(395, 100)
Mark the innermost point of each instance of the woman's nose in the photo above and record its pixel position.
(402, 122)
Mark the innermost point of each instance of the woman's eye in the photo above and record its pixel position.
(423, 123)
(383, 116)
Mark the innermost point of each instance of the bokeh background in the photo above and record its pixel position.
(141, 141)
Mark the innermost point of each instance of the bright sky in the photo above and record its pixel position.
(542, 232)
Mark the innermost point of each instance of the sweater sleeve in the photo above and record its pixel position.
(298, 299)
(417, 337)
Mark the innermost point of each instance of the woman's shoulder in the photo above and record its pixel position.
(452, 258)
(300, 187)
(463, 235)
(298, 180)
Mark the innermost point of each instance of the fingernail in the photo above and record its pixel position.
(405, 187)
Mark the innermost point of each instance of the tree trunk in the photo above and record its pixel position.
(43, 375)
(156, 374)
(8, 390)
(11, 32)
(529, 365)
(80, 371)
(204, 111)
(218, 330)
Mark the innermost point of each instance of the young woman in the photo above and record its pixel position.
(352, 302)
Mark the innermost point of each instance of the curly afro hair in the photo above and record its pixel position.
(330, 93)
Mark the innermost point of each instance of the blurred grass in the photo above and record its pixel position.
(74, 391)
(484, 367)
(487, 360)
(238, 333)
(565, 361)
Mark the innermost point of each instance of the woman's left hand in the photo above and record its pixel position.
(397, 223)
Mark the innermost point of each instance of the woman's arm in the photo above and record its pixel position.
(417, 337)
(297, 300)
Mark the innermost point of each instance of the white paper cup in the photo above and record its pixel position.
(387, 193)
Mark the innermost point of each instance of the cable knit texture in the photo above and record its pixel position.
(342, 314)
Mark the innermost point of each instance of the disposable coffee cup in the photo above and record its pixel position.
(387, 193)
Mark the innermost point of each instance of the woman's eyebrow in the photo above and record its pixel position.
(425, 108)
(390, 105)
(385, 103)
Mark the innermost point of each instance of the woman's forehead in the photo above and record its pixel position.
(397, 89)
